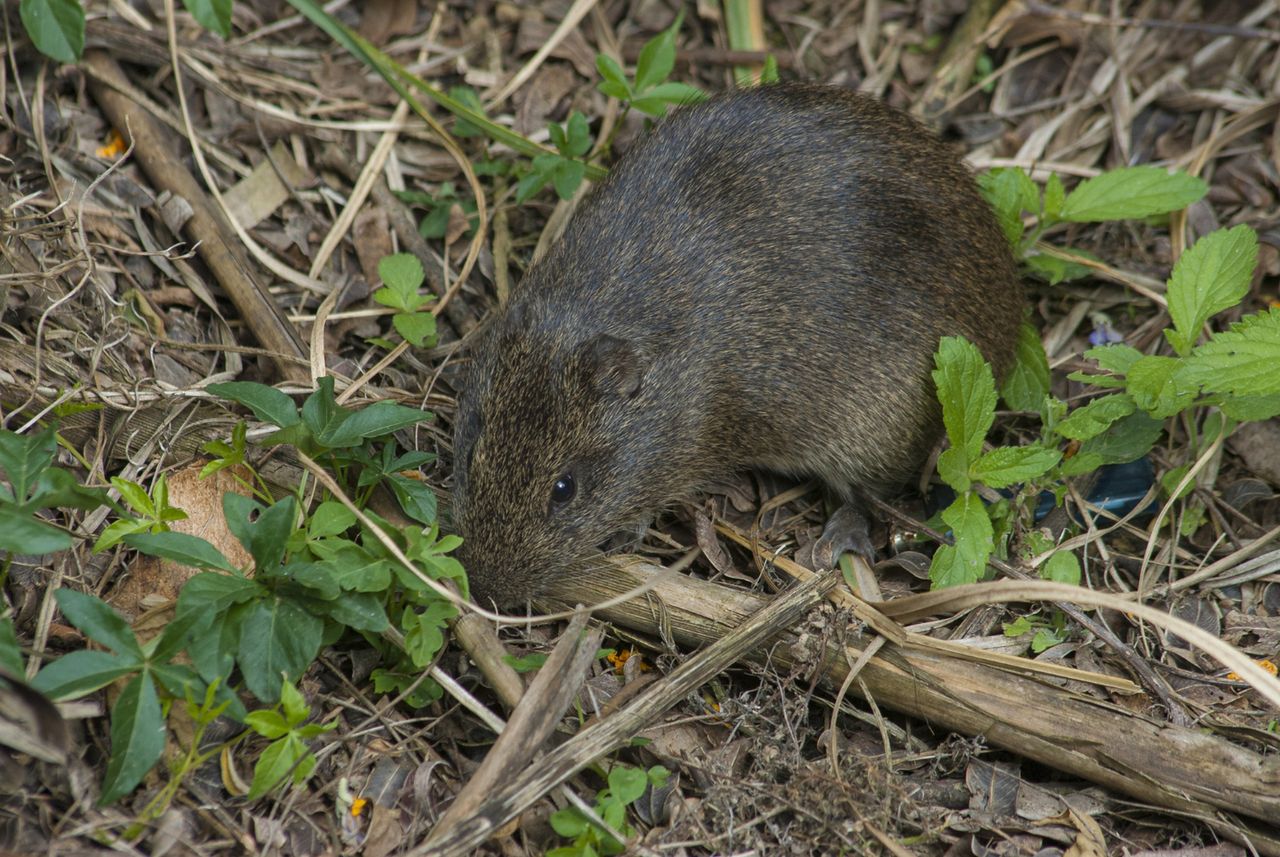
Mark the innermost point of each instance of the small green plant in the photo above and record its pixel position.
(649, 92)
(151, 681)
(626, 786)
(287, 755)
(1227, 377)
(36, 485)
(1048, 630)
(402, 277)
(154, 514)
(56, 27)
(564, 169)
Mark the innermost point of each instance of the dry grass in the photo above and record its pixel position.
(105, 302)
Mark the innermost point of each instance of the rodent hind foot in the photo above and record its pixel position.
(847, 530)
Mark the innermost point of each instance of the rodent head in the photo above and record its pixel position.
(548, 446)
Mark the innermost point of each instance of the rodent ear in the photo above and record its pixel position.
(614, 366)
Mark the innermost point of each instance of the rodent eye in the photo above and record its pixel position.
(563, 489)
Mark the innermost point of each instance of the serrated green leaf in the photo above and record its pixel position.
(213, 15)
(56, 27)
(1009, 191)
(137, 738)
(81, 672)
(97, 621)
(1250, 408)
(1156, 386)
(267, 403)
(1114, 358)
(1130, 193)
(1008, 465)
(402, 272)
(1028, 381)
(1095, 417)
(1243, 361)
(966, 562)
(967, 391)
(417, 328)
(1213, 275)
(1054, 196)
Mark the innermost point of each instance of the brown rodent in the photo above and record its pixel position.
(761, 282)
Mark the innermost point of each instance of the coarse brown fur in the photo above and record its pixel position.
(760, 282)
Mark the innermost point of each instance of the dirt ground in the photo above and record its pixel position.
(104, 301)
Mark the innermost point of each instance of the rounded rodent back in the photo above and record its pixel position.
(761, 281)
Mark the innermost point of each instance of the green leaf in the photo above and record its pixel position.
(627, 784)
(1055, 269)
(320, 411)
(24, 457)
(578, 135)
(360, 611)
(274, 765)
(180, 547)
(137, 738)
(294, 706)
(56, 27)
(376, 420)
(1130, 193)
(569, 823)
(417, 328)
(1213, 275)
(1028, 381)
(1007, 465)
(967, 391)
(401, 272)
(1242, 361)
(1062, 567)
(10, 651)
(1251, 408)
(611, 71)
(135, 496)
(1095, 417)
(213, 15)
(1157, 387)
(1054, 196)
(22, 534)
(210, 593)
(277, 638)
(568, 177)
(966, 561)
(675, 92)
(267, 403)
(267, 535)
(1009, 191)
(356, 570)
(330, 518)
(81, 672)
(416, 498)
(424, 631)
(98, 622)
(657, 58)
(1125, 440)
(267, 723)
(1114, 358)
(467, 96)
